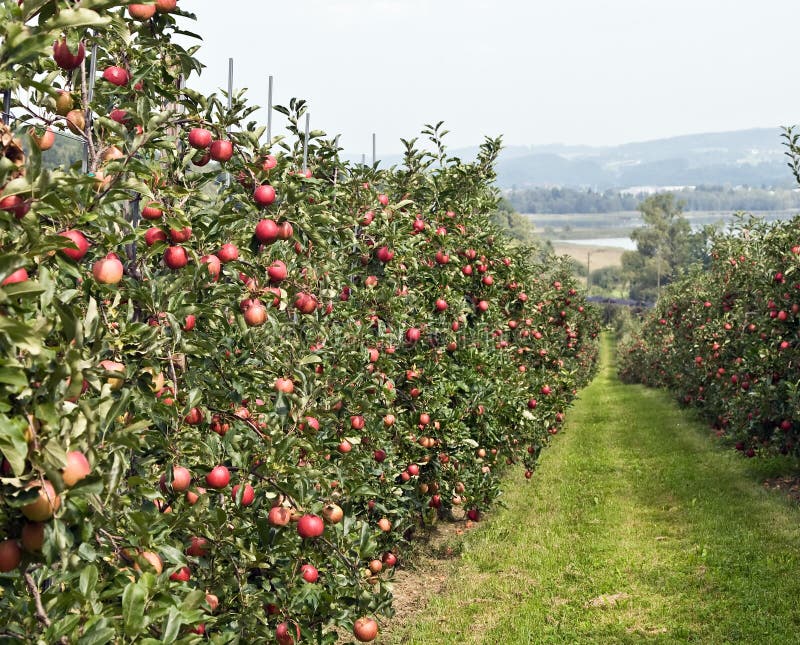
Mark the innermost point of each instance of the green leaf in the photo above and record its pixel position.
(133, 600)
(12, 442)
(88, 580)
(98, 634)
(13, 376)
(77, 18)
(171, 625)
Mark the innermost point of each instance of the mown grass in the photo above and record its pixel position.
(635, 528)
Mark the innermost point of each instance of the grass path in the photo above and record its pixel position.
(635, 528)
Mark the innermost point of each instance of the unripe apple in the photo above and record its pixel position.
(64, 103)
(112, 366)
(76, 121)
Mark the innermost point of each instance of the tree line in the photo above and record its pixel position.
(701, 198)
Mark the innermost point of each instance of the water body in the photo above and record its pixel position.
(616, 242)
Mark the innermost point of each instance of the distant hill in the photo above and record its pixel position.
(753, 157)
(746, 157)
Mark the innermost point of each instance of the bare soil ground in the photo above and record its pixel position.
(601, 256)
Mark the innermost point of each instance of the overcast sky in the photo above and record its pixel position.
(536, 71)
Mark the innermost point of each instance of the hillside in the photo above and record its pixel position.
(752, 157)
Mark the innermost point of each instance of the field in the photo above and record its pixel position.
(598, 256)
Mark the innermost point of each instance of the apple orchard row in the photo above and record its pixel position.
(232, 389)
(725, 339)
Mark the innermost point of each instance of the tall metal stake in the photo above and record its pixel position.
(373, 150)
(90, 97)
(305, 145)
(6, 106)
(230, 107)
(269, 113)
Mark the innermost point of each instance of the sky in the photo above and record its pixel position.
(594, 72)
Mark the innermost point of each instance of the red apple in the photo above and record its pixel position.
(77, 468)
(32, 536)
(269, 163)
(248, 494)
(266, 231)
(365, 629)
(285, 385)
(285, 231)
(152, 211)
(20, 275)
(64, 58)
(306, 303)
(175, 257)
(384, 254)
(264, 195)
(200, 138)
(412, 335)
(153, 235)
(310, 526)
(277, 272)
(256, 314)
(181, 575)
(221, 150)
(108, 270)
(219, 477)
(182, 235)
(309, 573)
(44, 142)
(213, 265)
(189, 323)
(10, 555)
(283, 634)
(116, 75)
(141, 11)
(228, 253)
(166, 6)
(279, 516)
(15, 204)
(198, 547)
